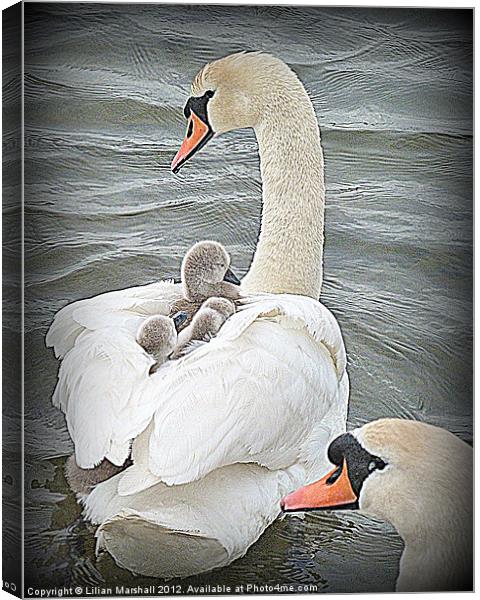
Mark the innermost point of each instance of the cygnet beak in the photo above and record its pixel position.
(179, 318)
(332, 491)
(231, 277)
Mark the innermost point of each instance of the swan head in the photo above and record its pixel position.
(397, 470)
(234, 92)
(157, 335)
(204, 268)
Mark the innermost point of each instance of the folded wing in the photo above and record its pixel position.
(110, 308)
(103, 380)
(258, 392)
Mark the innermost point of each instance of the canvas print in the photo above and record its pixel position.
(238, 299)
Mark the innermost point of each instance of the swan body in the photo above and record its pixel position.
(219, 444)
(223, 432)
(202, 431)
(418, 477)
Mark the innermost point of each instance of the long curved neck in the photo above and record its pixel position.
(438, 534)
(441, 561)
(289, 253)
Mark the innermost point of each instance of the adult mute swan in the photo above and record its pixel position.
(418, 477)
(236, 424)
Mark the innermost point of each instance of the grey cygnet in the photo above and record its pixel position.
(205, 273)
(158, 336)
(82, 481)
(205, 324)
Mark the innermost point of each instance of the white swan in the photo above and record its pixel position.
(419, 478)
(244, 419)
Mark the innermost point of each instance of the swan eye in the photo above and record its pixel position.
(209, 93)
(377, 464)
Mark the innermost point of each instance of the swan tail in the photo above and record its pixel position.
(150, 549)
(177, 531)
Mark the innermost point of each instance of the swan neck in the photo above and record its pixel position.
(289, 253)
(436, 558)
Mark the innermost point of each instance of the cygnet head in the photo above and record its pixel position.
(207, 322)
(205, 268)
(157, 335)
(238, 91)
(397, 470)
(221, 305)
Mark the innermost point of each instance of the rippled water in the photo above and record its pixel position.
(392, 89)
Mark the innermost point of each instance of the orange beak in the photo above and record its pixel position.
(322, 493)
(198, 134)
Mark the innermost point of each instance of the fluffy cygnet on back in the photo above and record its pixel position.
(158, 336)
(205, 273)
(205, 324)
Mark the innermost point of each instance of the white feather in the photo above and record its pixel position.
(101, 388)
(101, 379)
(110, 308)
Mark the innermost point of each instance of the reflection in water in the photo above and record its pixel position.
(104, 90)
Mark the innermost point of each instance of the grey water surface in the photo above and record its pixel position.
(392, 89)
